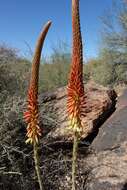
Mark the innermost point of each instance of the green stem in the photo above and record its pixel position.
(37, 167)
(74, 159)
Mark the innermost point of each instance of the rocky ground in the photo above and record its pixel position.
(102, 160)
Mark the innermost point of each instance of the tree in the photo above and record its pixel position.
(113, 52)
(114, 38)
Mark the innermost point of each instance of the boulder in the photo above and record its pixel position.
(100, 103)
(108, 160)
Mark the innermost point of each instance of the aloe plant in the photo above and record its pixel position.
(31, 116)
(76, 97)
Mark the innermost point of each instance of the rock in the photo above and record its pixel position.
(100, 104)
(122, 100)
(114, 130)
(108, 160)
(107, 169)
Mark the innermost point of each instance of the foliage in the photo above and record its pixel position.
(102, 73)
(110, 67)
(121, 72)
(86, 72)
(7, 54)
(114, 38)
(14, 72)
(54, 73)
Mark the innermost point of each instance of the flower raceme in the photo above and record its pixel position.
(31, 116)
(76, 98)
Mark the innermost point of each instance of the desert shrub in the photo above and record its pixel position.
(54, 72)
(14, 77)
(7, 54)
(121, 72)
(103, 71)
(86, 72)
(104, 74)
(14, 74)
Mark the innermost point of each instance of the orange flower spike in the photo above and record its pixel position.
(76, 97)
(32, 113)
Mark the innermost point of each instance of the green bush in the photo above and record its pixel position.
(121, 72)
(54, 74)
(104, 74)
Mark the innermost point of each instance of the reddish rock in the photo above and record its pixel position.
(100, 103)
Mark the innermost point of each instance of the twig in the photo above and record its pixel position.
(11, 173)
(2, 168)
(15, 150)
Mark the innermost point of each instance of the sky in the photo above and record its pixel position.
(22, 20)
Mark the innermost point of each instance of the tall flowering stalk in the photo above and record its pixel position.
(76, 97)
(31, 116)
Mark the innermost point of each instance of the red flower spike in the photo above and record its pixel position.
(76, 98)
(32, 113)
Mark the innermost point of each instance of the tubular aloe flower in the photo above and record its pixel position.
(76, 97)
(32, 113)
